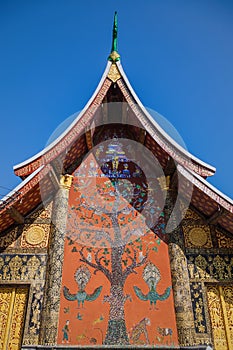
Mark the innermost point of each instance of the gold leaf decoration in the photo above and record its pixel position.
(35, 236)
(197, 236)
(114, 73)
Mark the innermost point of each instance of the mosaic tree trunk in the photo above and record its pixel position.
(116, 332)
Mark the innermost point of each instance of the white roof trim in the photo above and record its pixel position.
(158, 127)
(21, 185)
(51, 145)
(189, 174)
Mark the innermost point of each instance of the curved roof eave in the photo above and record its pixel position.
(21, 185)
(212, 191)
(158, 127)
(60, 137)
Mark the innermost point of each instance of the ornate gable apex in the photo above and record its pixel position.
(113, 87)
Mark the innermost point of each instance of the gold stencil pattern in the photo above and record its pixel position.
(197, 236)
(9, 240)
(189, 214)
(12, 311)
(35, 236)
(220, 300)
(5, 300)
(223, 240)
(43, 213)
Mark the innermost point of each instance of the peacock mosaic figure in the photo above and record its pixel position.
(152, 276)
(82, 277)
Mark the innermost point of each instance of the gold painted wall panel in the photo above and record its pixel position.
(227, 294)
(13, 302)
(5, 301)
(220, 301)
(197, 236)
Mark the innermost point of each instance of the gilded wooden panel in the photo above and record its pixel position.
(223, 240)
(198, 307)
(35, 235)
(220, 301)
(227, 302)
(197, 236)
(13, 302)
(5, 301)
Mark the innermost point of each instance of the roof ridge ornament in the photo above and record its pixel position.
(114, 56)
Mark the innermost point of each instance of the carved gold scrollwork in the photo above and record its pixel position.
(197, 236)
(9, 239)
(223, 240)
(35, 236)
(220, 301)
(12, 310)
(15, 265)
(219, 265)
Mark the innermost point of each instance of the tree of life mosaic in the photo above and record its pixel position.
(116, 284)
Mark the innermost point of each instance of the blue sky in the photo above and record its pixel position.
(177, 55)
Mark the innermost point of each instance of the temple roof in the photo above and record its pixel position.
(72, 145)
(155, 136)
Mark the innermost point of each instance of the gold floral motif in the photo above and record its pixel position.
(197, 236)
(13, 306)
(220, 301)
(32, 266)
(227, 299)
(220, 265)
(35, 236)
(223, 240)
(17, 319)
(22, 267)
(15, 265)
(5, 301)
(201, 265)
(9, 239)
(198, 307)
(114, 73)
(43, 213)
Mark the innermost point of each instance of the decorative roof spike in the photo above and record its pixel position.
(114, 56)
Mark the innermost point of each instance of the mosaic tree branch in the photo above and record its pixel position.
(135, 264)
(97, 266)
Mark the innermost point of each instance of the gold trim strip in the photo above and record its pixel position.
(8, 325)
(227, 329)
